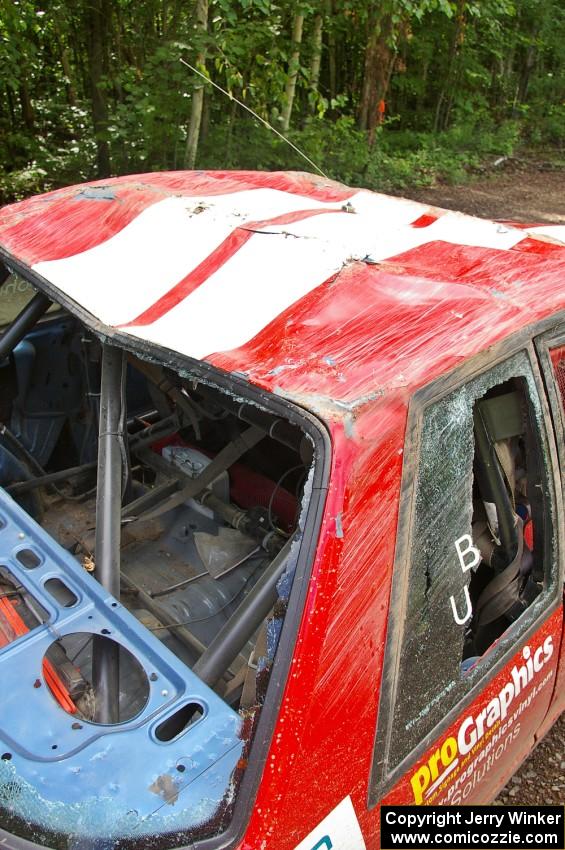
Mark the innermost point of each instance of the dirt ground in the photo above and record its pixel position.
(518, 194)
(515, 192)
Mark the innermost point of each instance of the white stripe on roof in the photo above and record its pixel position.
(125, 275)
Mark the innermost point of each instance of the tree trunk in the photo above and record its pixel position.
(332, 63)
(119, 51)
(11, 107)
(79, 54)
(171, 26)
(198, 91)
(379, 61)
(525, 73)
(27, 107)
(66, 65)
(293, 68)
(205, 122)
(65, 60)
(443, 105)
(369, 70)
(97, 16)
(229, 140)
(316, 52)
(424, 78)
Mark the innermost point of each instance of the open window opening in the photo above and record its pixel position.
(507, 509)
(210, 492)
(69, 675)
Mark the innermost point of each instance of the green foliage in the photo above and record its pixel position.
(468, 80)
(397, 160)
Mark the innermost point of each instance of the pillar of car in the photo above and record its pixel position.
(111, 439)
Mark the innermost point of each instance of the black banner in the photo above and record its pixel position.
(472, 827)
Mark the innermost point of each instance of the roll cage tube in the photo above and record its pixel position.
(216, 658)
(247, 618)
(108, 523)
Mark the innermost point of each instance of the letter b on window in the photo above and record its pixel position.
(469, 556)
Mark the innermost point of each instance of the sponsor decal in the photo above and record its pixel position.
(340, 830)
(487, 733)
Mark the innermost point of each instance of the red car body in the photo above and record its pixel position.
(364, 351)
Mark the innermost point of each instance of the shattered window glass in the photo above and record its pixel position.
(453, 611)
(558, 363)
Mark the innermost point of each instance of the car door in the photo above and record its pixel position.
(476, 609)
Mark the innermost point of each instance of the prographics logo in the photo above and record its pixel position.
(445, 758)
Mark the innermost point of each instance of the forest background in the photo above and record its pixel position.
(383, 94)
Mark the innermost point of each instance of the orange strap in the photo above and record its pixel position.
(57, 687)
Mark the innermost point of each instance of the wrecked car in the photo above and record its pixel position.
(281, 512)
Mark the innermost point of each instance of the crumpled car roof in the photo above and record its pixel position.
(310, 288)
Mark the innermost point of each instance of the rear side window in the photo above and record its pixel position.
(480, 557)
(15, 293)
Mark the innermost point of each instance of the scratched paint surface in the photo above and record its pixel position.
(326, 291)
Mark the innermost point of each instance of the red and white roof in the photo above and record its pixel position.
(305, 285)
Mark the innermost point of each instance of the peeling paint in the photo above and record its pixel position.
(277, 370)
(166, 788)
(97, 193)
(338, 527)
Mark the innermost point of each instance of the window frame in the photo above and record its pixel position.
(382, 778)
(237, 385)
(554, 338)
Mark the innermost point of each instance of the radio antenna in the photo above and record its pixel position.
(255, 115)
